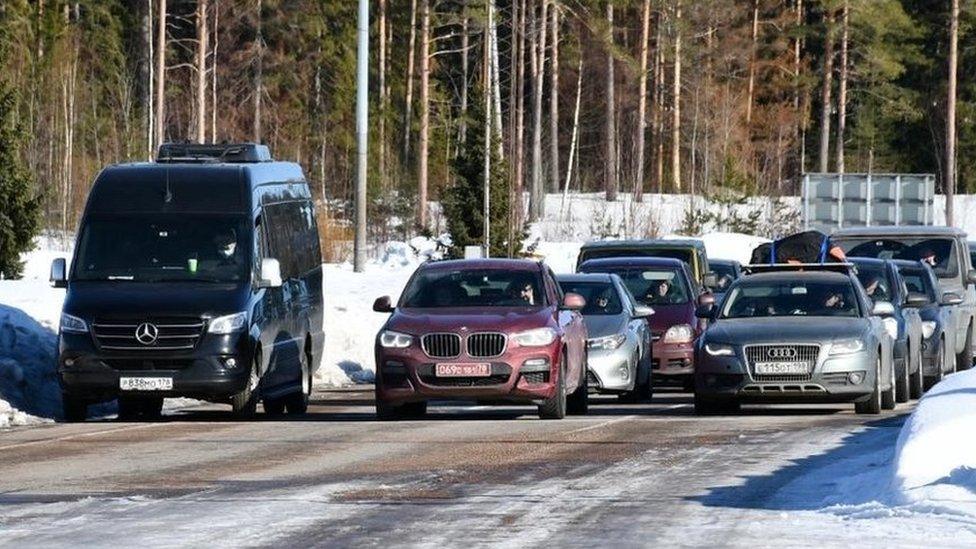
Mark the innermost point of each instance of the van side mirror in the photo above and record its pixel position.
(59, 273)
(916, 300)
(883, 308)
(705, 312)
(573, 302)
(642, 311)
(971, 276)
(950, 298)
(270, 274)
(383, 305)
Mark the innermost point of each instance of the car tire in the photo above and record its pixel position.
(415, 410)
(903, 383)
(873, 404)
(274, 406)
(643, 390)
(705, 406)
(73, 409)
(940, 360)
(916, 381)
(128, 409)
(964, 360)
(888, 396)
(152, 408)
(297, 403)
(245, 403)
(555, 406)
(578, 403)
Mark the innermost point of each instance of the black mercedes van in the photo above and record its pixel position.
(197, 275)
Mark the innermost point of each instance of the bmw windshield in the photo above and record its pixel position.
(784, 298)
(442, 288)
(164, 248)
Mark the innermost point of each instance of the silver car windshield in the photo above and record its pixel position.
(791, 298)
(939, 253)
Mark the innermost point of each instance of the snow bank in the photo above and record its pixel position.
(935, 459)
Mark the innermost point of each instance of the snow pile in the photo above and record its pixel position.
(935, 460)
(398, 254)
(28, 380)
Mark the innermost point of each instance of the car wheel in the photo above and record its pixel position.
(902, 385)
(73, 409)
(940, 360)
(245, 403)
(274, 406)
(708, 406)
(152, 407)
(873, 404)
(578, 403)
(915, 380)
(964, 360)
(555, 406)
(297, 403)
(888, 396)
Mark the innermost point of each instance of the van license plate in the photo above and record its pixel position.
(463, 370)
(146, 383)
(782, 368)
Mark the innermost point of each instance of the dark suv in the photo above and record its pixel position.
(198, 275)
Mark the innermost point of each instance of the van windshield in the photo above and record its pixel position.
(164, 248)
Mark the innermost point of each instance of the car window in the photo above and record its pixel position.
(917, 281)
(725, 275)
(654, 286)
(602, 298)
(791, 298)
(437, 288)
(939, 253)
(876, 283)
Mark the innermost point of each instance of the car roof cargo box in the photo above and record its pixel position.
(229, 153)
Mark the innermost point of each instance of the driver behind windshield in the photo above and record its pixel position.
(660, 293)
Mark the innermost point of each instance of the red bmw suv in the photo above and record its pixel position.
(486, 330)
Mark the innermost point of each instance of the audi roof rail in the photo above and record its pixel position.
(230, 153)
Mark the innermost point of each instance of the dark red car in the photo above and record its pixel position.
(485, 330)
(667, 286)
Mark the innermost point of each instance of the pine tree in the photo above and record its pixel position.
(20, 214)
(463, 200)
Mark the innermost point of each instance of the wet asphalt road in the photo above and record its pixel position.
(625, 475)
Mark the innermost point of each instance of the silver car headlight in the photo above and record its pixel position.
(928, 328)
(719, 349)
(846, 347)
(535, 338)
(681, 333)
(229, 324)
(73, 325)
(607, 343)
(395, 340)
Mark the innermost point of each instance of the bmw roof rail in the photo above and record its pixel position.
(231, 153)
(783, 267)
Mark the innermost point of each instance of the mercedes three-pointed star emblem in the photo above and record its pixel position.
(147, 333)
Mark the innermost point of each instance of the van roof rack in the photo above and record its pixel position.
(232, 153)
(785, 267)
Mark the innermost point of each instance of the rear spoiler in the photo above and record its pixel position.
(783, 267)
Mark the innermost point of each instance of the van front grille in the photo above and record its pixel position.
(441, 345)
(161, 334)
(486, 345)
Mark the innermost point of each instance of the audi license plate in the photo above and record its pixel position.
(782, 368)
(146, 383)
(463, 370)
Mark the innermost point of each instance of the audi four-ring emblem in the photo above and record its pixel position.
(781, 353)
(147, 333)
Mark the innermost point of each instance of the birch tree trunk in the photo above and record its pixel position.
(842, 88)
(575, 135)
(258, 74)
(160, 77)
(610, 143)
(676, 108)
(950, 171)
(495, 79)
(750, 93)
(408, 101)
(642, 100)
(538, 76)
(381, 23)
(213, 75)
(424, 111)
(554, 105)
(465, 44)
(828, 73)
(203, 44)
(658, 113)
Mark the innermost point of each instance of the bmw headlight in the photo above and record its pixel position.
(535, 338)
(228, 324)
(719, 349)
(73, 325)
(928, 328)
(607, 343)
(891, 326)
(395, 340)
(846, 347)
(682, 333)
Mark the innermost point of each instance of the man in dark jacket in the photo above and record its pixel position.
(805, 247)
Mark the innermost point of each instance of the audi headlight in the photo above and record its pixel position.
(535, 338)
(73, 325)
(682, 333)
(718, 349)
(607, 343)
(846, 347)
(928, 328)
(228, 324)
(395, 340)
(891, 326)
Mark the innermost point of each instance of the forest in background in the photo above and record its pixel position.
(632, 96)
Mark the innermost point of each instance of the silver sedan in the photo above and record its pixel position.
(619, 349)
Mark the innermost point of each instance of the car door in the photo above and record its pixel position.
(571, 324)
(639, 326)
(284, 347)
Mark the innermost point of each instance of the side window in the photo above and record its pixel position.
(279, 245)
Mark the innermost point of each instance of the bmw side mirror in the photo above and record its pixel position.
(573, 302)
(642, 311)
(971, 276)
(705, 312)
(270, 274)
(383, 305)
(916, 300)
(950, 298)
(710, 280)
(883, 308)
(59, 273)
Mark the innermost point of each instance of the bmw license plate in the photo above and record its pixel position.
(146, 383)
(782, 368)
(463, 370)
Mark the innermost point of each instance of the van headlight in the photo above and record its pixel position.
(846, 347)
(718, 349)
(229, 324)
(682, 333)
(928, 328)
(535, 338)
(395, 340)
(73, 325)
(607, 343)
